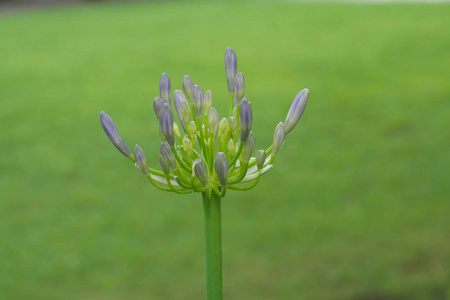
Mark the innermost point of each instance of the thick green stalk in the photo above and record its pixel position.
(213, 246)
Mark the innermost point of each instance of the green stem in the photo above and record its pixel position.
(213, 246)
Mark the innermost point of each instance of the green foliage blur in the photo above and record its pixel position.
(357, 206)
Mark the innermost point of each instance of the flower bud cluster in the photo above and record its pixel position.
(212, 154)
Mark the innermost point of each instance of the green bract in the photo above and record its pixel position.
(214, 155)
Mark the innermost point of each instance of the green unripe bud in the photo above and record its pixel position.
(260, 159)
(192, 128)
(207, 102)
(233, 123)
(187, 143)
(278, 138)
(231, 147)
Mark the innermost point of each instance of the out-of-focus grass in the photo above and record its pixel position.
(357, 206)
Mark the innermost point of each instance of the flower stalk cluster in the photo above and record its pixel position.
(209, 154)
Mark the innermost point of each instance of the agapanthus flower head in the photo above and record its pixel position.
(216, 152)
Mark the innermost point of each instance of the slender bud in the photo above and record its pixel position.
(140, 159)
(192, 128)
(164, 89)
(231, 147)
(297, 108)
(246, 118)
(248, 147)
(278, 138)
(260, 159)
(221, 167)
(188, 87)
(223, 125)
(231, 68)
(213, 117)
(166, 123)
(200, 172)
(113, 134)
(176, 130)
(178, 98)
(239, 87)
(185, 110)
(233, 123)
(157, 106)
(207, 103)
(168, 155)
(197, 99)
(164, 165)
(187, 143)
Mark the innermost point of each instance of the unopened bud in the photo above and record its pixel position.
(233, 123)
(164, 89)
(164, 165)
(223, 125)
(207, 102)
(239, 87)
(176, 130)
(157, 106)
(192, 128)
(187, 143)
(213, 117)
(221, 167)
(200, 171)
(197, 99)
(166, 123)
(185, 110)
(140, 159)
(161, 135)
(297, 108)
(178, 98)
(168, 155)
(278, 138)
(113, 134)
(188, 87)
(231, 147)
(246, 118)
(230, 68)
(260, 159)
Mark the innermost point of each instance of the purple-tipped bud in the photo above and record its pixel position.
(197, 99)
(166, 123)
(246, 118)
(221, 167)
(233, 123)
(278, 138)
(260, 159)
(207, 102)
(231, 68)
(239, 88)
(248, 147)
(140, 159)
(168, 155)
(165, 166)
(297, 108)
(213, 117)
(178, 98)
(200, 171)
(188, 87)
(157, 106)
(113, 134)
(164, 89)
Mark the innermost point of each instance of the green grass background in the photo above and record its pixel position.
(357, 206)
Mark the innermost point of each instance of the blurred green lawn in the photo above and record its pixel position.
(357, 206)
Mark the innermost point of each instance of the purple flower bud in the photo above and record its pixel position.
(164, 165)
(164, 89)
(197, 99)
(213, 117)
(239, 88)
(248, 147)
(168, 155)
(207, 103)
(178, 98)
(246, 118)
(166, 123)
(188, 87)
(157, 106)
(200, 171)
(221, 167)
(140, 159)
(231, 68)
(113, 135)
(260, 159)
(297, 108)
(278, 138)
